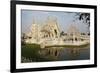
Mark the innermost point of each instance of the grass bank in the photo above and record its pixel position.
(30, 53)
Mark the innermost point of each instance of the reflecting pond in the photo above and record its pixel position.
(66, 53)
(33, 53)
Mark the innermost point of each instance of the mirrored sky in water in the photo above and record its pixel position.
(64, 19)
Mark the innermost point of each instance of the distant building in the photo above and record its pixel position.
(73, 34)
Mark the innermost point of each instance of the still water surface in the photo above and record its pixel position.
(65, 53)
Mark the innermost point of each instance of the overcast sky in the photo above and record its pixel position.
(64, 19)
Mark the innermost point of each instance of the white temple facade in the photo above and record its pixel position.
(49, 34)
(49, 30)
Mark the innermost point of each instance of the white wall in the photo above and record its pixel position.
(5, 36)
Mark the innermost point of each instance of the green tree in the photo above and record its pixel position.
(62, 33)
(23, 38)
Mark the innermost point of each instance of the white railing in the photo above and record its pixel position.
(59, 42)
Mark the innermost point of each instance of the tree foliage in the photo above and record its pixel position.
(85, 17)
(23, 38)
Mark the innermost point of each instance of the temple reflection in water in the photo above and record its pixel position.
(64, 53)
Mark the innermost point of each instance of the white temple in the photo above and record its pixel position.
(48, 34)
